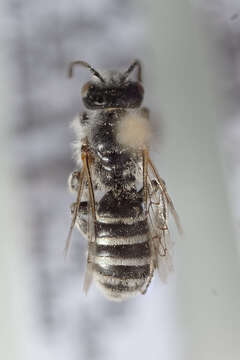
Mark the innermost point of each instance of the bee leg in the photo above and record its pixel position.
(82, 209)
(153, 189)
(144, 290)
(73, 180)
(81, 222)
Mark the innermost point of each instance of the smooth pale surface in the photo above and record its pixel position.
(208, 290)
(13, 314)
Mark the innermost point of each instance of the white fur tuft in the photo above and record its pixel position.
(134, 131)
(79, 130)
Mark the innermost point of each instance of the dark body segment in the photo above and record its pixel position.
(121, 230)
(123, 251)
(123, 272)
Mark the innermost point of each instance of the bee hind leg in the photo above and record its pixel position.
(148, 282)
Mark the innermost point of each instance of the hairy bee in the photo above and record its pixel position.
(122, 203)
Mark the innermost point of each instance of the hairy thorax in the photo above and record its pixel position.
(115, 163)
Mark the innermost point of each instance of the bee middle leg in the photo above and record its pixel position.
(153, 188)
(73, 180)
(81, 220)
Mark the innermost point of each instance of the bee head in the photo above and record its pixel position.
(111, 89)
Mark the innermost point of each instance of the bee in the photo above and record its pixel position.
(122, 203)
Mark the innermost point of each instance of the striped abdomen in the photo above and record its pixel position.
(121, 261)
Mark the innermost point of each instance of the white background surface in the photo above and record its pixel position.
(45, 314)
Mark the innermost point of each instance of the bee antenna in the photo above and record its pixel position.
(131, 68)
(85, 64)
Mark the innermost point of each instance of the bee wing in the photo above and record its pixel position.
(163, 189)
(159, 204)
(157, 212)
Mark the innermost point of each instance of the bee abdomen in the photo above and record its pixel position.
(122, 258)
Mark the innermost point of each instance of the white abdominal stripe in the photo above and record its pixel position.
(117, 293)
(115, 241)
(131, 283)
(114, 261)
(121, 220)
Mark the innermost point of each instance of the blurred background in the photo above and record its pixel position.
(191, 57)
